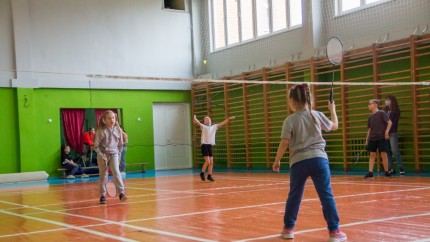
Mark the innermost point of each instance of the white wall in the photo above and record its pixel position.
(68, 39)
(7, 58)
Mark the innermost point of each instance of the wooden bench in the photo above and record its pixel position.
(64, 171)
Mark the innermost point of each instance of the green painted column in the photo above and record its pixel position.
(26, 120)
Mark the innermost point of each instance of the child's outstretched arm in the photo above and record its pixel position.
(196, 121)
(226, 121)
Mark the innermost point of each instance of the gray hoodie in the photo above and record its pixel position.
(108, 141)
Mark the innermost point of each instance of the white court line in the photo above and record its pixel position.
(67, 226)
(140, 228)
(191, 191)
(343, 225)
(260, 205)
(274, 203)
(155, 231)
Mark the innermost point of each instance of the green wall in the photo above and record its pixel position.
(31, 143)
(9, 141)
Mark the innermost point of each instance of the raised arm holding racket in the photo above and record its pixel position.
(108, 144)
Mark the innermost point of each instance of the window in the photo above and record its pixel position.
(344, 6)
(247, 22)
(236, 21)
(218, 23)
(232, 22)
(279, 15)
(262, 7)
(295, 12)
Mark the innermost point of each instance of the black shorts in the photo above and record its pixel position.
(206, 150)
(381, 145)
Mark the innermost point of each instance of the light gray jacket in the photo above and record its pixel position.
(108, 141)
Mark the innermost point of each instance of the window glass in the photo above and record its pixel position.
(295, 12)
(232, 22)
(349, 4)
(218, 23)
(279, 14)
(262, 7)
(247, 24)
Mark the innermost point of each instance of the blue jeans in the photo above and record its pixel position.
(73, 170)
(318, 169)
(394, 150)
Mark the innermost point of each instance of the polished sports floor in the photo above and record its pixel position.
(238, 206)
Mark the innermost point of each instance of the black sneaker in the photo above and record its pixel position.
(122, 197)
(210, 178)
(392, 171)
(369, 175)
(202, 176)
(388, 174)
(402, 172)
(102, 200)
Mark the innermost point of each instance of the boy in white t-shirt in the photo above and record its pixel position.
(207, 141)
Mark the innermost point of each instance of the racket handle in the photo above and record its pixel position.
(331, 95)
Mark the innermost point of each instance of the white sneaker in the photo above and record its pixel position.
(84, 175)
(337, 236)
(70, 177)
(123, 174)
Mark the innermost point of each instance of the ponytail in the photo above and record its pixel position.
(301, 95)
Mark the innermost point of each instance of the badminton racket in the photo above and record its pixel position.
(357, 155)
(109, 185)
(334, 55)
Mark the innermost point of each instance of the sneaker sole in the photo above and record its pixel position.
(287, 236)
(123, 199)
(337, 240)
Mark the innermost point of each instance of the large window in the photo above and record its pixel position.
(237, 21)
(345, 6)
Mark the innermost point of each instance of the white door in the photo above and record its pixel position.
(172, 137)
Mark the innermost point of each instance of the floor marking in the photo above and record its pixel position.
(155, 231)
(343, 225)
(422, 240)
(269, 204)
(67, 226)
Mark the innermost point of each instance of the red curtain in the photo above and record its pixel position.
(100, 112)
(73, 125)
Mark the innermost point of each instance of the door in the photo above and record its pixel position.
(172, 137)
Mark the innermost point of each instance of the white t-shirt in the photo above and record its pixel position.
(208, 134)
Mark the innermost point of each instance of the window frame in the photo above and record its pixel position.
(363, 5)
(255, 36)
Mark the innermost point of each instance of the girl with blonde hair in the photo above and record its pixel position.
(108, 145)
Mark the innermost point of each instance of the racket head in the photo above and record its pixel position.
(356, 158)
(110, 188)
(334, 51)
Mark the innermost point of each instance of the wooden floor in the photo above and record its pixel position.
(237, 207)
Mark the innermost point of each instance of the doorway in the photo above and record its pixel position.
(172, 136)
